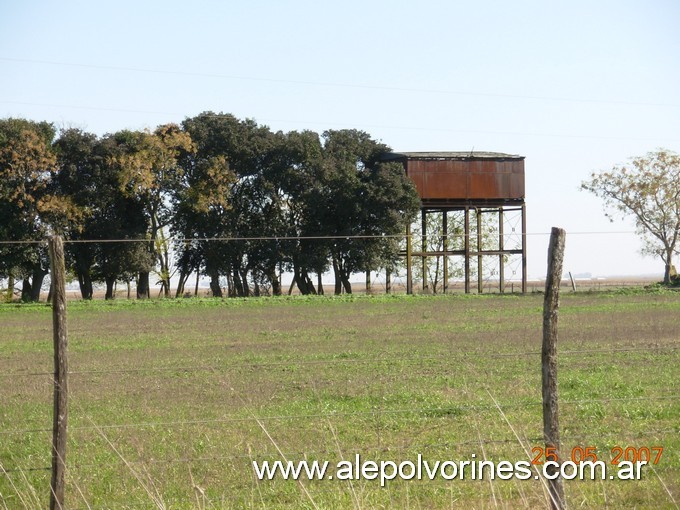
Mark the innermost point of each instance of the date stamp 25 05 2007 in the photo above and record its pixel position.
(647, 454)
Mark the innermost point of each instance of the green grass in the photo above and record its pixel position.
(177, 385)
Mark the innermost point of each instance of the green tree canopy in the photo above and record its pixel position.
(245, 203)
(27, 165)
(362, 197)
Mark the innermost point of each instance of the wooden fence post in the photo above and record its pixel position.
(573, 283)
(551, 303)
(60, 337)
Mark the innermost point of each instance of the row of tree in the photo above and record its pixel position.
(242, 203)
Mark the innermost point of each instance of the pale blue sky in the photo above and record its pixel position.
(572, 86)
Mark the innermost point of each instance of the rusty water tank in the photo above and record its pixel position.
(459, 178)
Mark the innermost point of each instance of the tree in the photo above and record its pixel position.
(236, 151)
(648, 188)
(201, 200)
(27, 164)
(296, 198)
(89, 177)
(366, 203)
(77, 178)
(149, 171)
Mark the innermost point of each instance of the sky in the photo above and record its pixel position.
(575, 87)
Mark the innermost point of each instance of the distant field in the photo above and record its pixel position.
(171, 401)
(398, 286)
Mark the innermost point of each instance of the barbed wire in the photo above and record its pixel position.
(303, 454)
(299, 238)
(362, 449)
(451, 409)
(278, 80)
(445, 357)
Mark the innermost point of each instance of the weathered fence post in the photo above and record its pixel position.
(60, 422)
(551, 429)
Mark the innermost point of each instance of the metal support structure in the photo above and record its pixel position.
(500, 251)
(467, 250)
(501, 248)
(524, 248)
(489, 183)
(423, 237)
(445, 245)
(480, 281)
(409, 269)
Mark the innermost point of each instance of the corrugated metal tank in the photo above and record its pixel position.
(457, 177)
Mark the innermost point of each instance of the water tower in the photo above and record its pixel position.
(479, 200)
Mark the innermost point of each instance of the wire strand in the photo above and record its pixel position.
(407, 359)
(293, 238)
(453, 408)
(363, 86)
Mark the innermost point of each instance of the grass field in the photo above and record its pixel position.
(171, 401)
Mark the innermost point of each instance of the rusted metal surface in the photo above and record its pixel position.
(454, 177)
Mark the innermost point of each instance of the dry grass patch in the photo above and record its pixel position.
(176, 388)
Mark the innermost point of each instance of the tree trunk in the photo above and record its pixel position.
(166, 287)
(668, 265)
(435, 282)
(244, 283)
(346, 284)
(231, 288)
(36, 286)
(143, 285)
(183, 276)
(319, 284)
(309, 283)
(85, 284)
(215, 285)
(341, 278)
(274, 280)
(26, 290)
(110, 281)
(338, 278)
(303, 281)
(198, 277)
(276, 285)
(238, 286)
(88, 287)
(165, 269)
(10, 288)
(297, 279)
